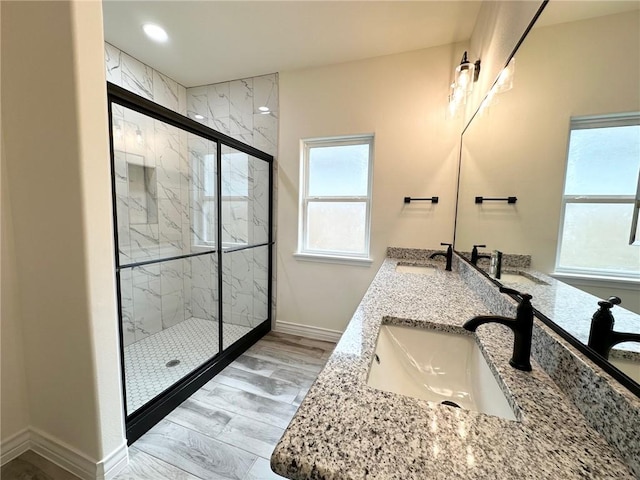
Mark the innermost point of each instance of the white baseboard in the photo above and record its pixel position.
(113, 463)
(64, 455)
(14, 446)
(308, 331)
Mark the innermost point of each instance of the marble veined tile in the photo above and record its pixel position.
(197, 103)
(241, 106)
(265, 92)
(265, 133)
(170, 226)
(171, 277)
(218, 99)
(247, 404)
(165, 91)
(202, 304)
(182, 100)
(144, 242)
(172, 309)
(147, 308)
(143, 466)
(137, 77)
(195, 453)
(222, 125)
(112, 58)
(126, 299)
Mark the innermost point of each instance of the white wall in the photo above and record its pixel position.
(14, 414)
(56, 155)
(519, 146)
(402, 99)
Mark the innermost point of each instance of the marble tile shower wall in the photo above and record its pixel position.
(162, 200)
(233, 109)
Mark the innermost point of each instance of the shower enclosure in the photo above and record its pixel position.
(193, 213)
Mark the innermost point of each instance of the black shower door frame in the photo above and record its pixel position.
(145, 417)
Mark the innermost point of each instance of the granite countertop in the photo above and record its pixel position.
(346, 429)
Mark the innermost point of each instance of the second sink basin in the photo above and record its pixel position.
(436, 366)
(419, 269)
(518, 278)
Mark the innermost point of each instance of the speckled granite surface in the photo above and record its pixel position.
(606, 405)
(346, 429)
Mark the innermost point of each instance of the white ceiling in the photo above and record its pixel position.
(215, 41)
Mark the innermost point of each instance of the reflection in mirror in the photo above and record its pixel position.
(565, 140)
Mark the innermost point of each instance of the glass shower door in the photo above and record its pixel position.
(165, 212)
(245, 236)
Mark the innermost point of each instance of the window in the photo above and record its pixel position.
(601, 180)
(335, 197)
(204, 200)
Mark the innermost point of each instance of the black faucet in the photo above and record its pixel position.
(448, 255)
(601, 335)
(522, 327)
(475, 256)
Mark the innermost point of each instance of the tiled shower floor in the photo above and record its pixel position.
(192, 342)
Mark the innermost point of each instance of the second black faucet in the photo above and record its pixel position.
(448, 255)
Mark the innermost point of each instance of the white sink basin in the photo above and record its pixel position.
(436, 366)
(421, 270)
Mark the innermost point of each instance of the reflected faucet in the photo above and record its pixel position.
(448, 255)
(475, 256)
(522, 327)
(602, 337)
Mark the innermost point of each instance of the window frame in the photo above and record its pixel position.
(333, 256)
(198, 196)
(584, 123)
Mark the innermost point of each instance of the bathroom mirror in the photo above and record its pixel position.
(577, 75)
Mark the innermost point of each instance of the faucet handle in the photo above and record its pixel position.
(446, 244)
(610, 302)
(481, 246)
(524, 296)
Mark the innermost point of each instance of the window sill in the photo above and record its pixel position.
(316, 257)
(627, 283)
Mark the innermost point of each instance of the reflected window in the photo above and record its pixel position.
(335, 196)
(204, 190)
(603, 165)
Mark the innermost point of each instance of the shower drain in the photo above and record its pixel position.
(172, 363)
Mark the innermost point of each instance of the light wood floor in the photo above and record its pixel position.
(227, 429)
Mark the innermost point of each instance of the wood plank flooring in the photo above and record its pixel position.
(228, 428)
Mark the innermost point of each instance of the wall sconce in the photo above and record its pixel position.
(466, 75)
(505, 79)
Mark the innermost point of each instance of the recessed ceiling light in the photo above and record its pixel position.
(156, 33)
(197, 116)
(263, 109)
